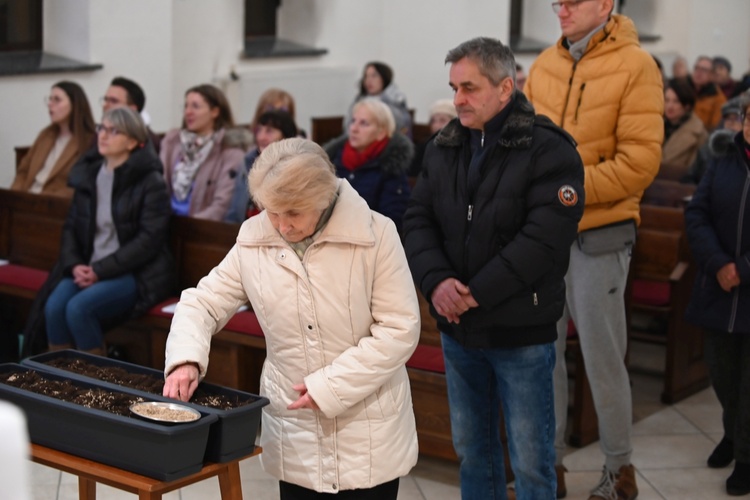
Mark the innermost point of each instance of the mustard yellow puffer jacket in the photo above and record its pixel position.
(612, 102)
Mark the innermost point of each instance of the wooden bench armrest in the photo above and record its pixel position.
(679, 271)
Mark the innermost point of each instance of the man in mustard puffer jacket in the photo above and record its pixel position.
(603, 89)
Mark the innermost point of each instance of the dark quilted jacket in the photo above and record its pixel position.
(513, 251)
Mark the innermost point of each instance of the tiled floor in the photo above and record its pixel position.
(671, 444)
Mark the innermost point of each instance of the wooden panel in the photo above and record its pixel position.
(326, 128)
(668, 193)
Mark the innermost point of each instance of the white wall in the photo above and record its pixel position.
(170, 45)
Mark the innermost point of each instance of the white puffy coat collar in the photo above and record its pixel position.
(350, 222)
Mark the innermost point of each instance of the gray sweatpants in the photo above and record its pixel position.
(595, 301)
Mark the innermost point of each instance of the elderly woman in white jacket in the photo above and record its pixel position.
(329, 282)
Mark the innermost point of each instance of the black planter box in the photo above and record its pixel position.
(162, 451)
(232, 436)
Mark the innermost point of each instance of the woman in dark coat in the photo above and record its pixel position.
(113, 254)
(375, 159)
(718, 227)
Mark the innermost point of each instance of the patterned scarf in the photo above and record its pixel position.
(195, 149)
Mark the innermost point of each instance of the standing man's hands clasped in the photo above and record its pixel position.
(182, 382)
(452, 298)
(728, 277)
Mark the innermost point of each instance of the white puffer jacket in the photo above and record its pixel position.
(344, 320)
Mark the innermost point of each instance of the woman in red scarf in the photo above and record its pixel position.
(374, 158)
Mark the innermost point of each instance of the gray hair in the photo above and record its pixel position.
(495, 60)
(381, 113)
(128, 122)
(293, 174)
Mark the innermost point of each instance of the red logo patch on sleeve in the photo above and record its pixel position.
(567, 196)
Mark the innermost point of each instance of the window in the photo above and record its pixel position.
(521, 40)
(22, 41)
(260, 18)
(20, 25)
(261, 38)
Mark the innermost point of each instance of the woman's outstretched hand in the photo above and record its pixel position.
(182, 382)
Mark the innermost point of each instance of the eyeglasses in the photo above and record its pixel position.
(52, 99)
(109, 130)
(704, 69)
(570, 5)
(109, 100)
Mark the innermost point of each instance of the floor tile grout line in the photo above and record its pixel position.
(652, 485)
(701, 431)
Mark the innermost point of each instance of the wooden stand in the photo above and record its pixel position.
(89, 473)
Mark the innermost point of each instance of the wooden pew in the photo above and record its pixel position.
(668, 193)
(326, 128)
(662, 279)
(33, 222)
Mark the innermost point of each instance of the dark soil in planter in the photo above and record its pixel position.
(67, 390)
(143, 382)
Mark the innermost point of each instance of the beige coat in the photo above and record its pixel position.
(680, 150)
(344, 320)
(33, 162)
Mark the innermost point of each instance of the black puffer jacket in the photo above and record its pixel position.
(718, 228)
(513, 252)
(140, 211)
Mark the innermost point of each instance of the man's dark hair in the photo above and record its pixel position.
(495, 60)
(136, 97)
(722, 61)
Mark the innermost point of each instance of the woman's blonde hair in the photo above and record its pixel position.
(380, 112)
(293, 174)
(273, 99)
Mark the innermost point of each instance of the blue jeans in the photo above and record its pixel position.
(74, 315)
(479, 381)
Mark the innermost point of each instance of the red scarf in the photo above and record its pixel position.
(353, 159)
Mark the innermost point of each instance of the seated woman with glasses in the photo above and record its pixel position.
(203, 158)
(114, 262)
(58, 146)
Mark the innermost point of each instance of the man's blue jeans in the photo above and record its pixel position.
(74, 315)
(479, 381)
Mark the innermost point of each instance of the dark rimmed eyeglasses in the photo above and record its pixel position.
(109, 130)
(570, 5)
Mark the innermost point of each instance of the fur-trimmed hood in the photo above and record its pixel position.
(721, 142)
(394, 160)
(516, 133)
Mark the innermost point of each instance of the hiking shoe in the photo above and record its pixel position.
(620, 486)
(739, 482)
(560, 471)
(722, 455)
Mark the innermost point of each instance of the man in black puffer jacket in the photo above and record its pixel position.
(487, 234)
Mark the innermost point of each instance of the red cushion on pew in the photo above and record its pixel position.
(22, 276)
(652, 293)
(428, 358)
(157, 309)
(242, 322)
(245, 322)
(572, 332)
